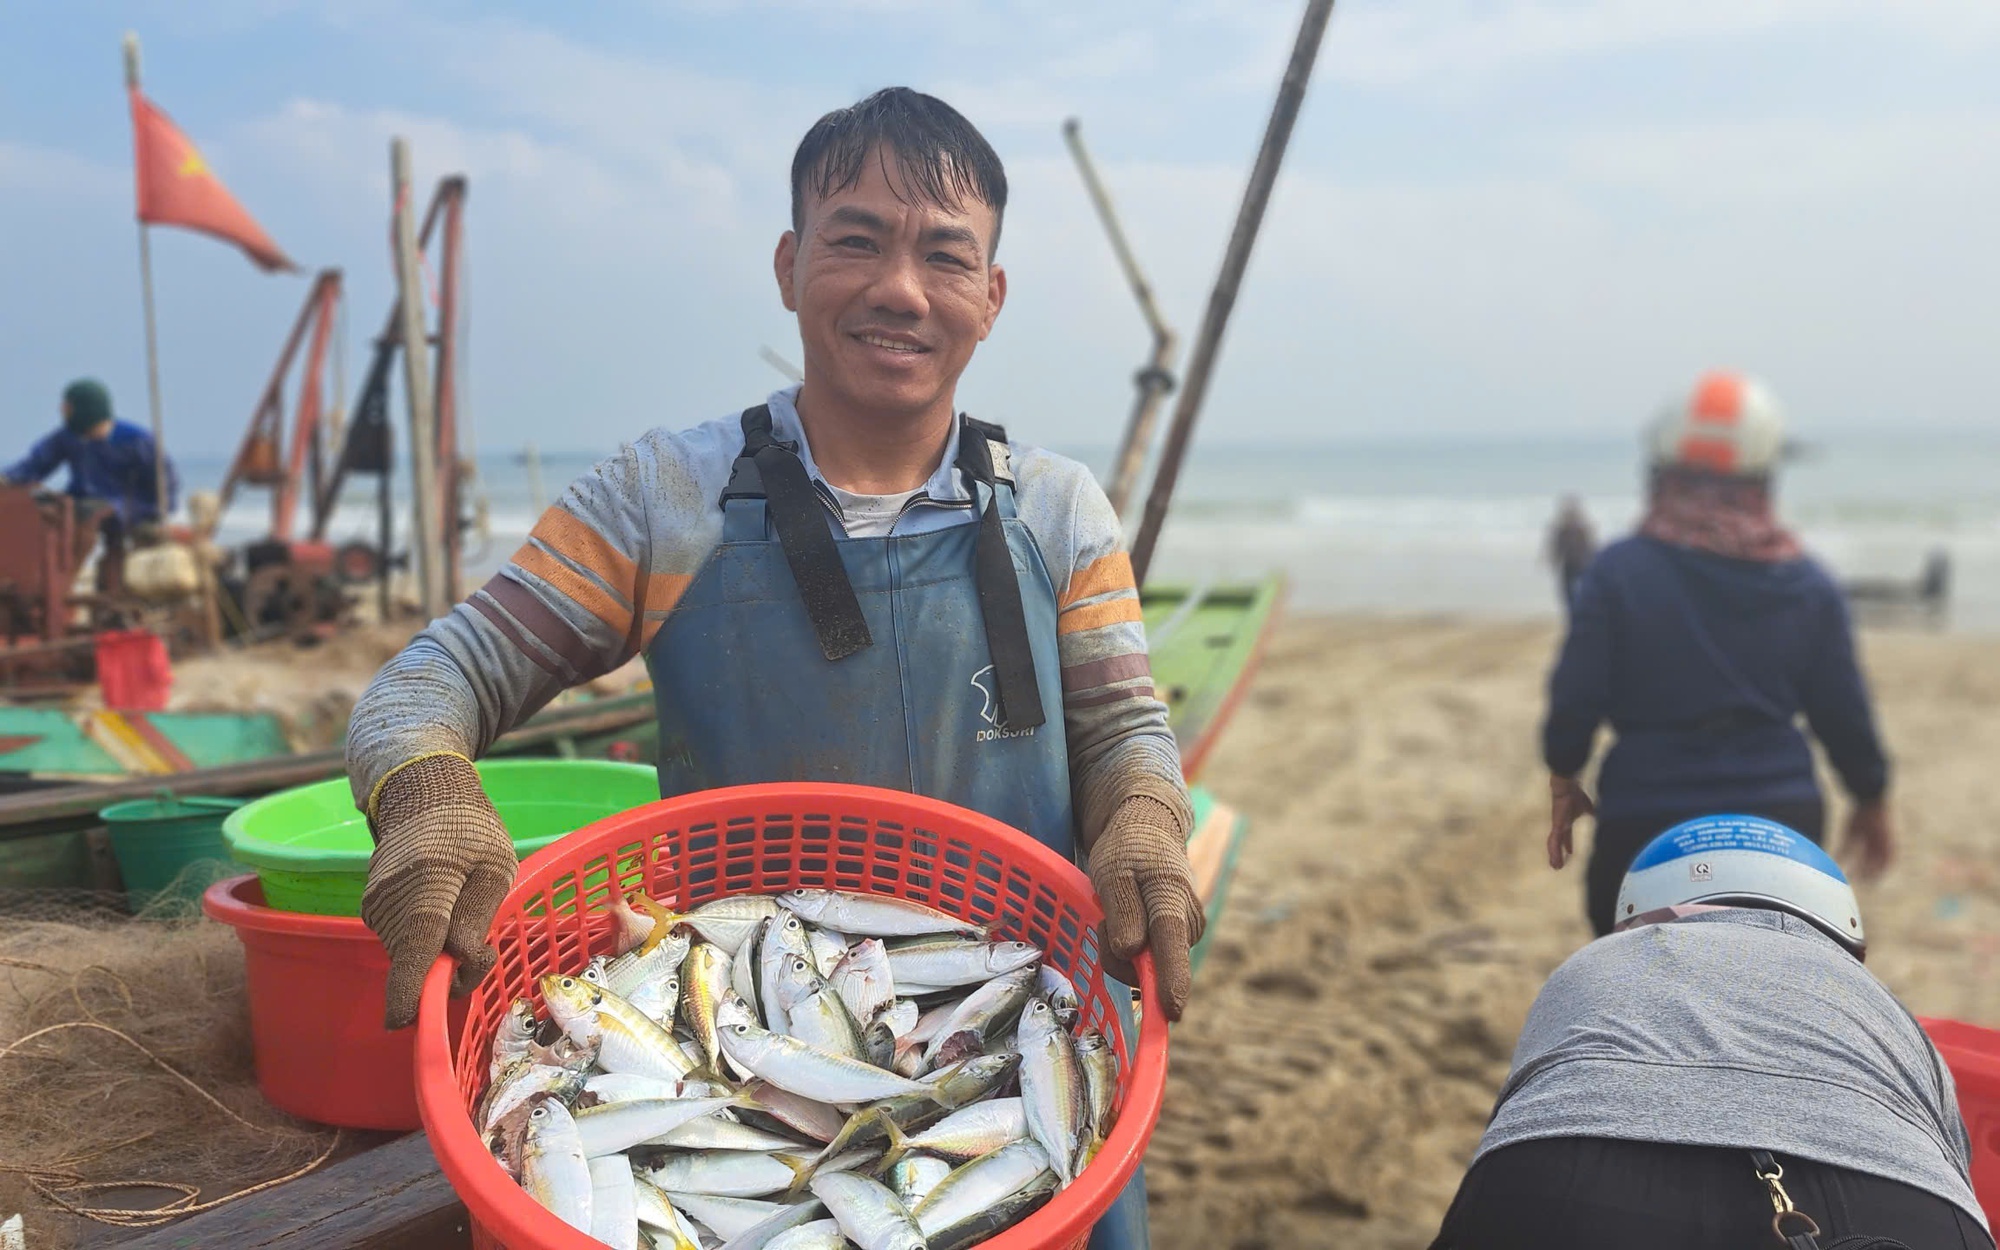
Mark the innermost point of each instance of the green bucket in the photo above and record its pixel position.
(310, 845)
(170, 844)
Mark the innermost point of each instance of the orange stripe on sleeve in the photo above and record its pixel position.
(588, 595)
(1097, 615)
(1100, 577)
(561, 531)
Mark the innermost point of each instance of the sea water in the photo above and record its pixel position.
(1429, 525)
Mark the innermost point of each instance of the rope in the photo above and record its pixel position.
(52, 1181)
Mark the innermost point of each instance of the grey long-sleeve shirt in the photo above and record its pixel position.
(604, 567)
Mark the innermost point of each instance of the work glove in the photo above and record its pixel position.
(1139, 865)
(1568, 803)
(442, 865)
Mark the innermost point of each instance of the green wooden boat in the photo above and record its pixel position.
(1205, 642)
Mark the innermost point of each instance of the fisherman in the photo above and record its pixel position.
(112, 471)
(849, 581)
(1727, 1033)
(1701, 638)
(1570, 546)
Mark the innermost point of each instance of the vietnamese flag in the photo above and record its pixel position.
(177, 188)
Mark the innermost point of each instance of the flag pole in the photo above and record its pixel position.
(152, 329)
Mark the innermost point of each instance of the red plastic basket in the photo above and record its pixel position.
(762, 840)
(1973, 1055)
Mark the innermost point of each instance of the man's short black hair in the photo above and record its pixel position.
(940, 155)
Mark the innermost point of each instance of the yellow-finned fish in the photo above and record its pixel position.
(627, 1040)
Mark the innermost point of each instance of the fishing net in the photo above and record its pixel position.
(125, 1069)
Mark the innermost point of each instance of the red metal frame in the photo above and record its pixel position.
(257, 459)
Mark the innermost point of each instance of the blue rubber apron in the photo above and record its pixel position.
(768, 669)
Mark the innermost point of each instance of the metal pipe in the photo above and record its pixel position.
(152, 329)
(1256, 196)
(1156, 379)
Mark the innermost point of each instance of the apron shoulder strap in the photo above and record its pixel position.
(772, 471)
(984, 459)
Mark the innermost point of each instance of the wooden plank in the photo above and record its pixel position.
(262, 776)
(390, 1198)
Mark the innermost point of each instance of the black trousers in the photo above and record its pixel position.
(1601, 1194)
(1619, 841)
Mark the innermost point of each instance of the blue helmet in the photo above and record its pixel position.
(1743, 861)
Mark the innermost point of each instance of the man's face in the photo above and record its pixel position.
(892, 292)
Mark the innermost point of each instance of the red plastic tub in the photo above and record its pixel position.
(316, 986)
(1973, 1055)
(766, 839)
(133, 673)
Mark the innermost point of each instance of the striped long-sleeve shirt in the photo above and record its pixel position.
(605, 566)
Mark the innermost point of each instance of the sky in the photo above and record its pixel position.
(1497, 217)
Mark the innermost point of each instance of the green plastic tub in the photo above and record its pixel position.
(309, 846)
(170, 846)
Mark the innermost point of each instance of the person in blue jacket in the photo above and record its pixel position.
(109, 461)
(112, 473)
(1703, 639)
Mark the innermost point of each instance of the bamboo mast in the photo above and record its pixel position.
(1291, 93)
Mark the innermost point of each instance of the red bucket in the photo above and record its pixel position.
(763, 840)
(316, 986)
(1973, 1055)
(133, 673)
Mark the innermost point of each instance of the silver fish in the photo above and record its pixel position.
(975, 1186)
(813, 1119)
(1002, 1215)
(863, 979)
(914, 1176)
(520, 1082)
(1094, 1053)
(553, 1168)
(630, 927)
(931, 1021)
(735, 1174)
(716, 1133)
(784, 938)
(627, 1039)
(817, 1235)
(517, 1029)
(765, 1234)
(986, 1013)
(901, 1016)
(614, 1203)
(944, 1090)
(946, 963)
(728, 922)
(966, 1133)
(1051, 984)
(619, 1126)
(878, 1045)
(809, 1071)
(724, 1216)
(656, 1212)
(632, 968)
(624, 1086)
(814, 1012)
(704, 980)
(1052, 1088)
(743, 969)
(870, 915)
(867, 1211)
(829, 946)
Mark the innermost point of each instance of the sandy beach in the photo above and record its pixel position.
(1393, 916)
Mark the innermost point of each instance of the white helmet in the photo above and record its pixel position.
(1729, 424)
(1744, 861)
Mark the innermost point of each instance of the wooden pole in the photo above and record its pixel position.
(152, 328)
(1156, 379)
(417, 382)
(1291, 93)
